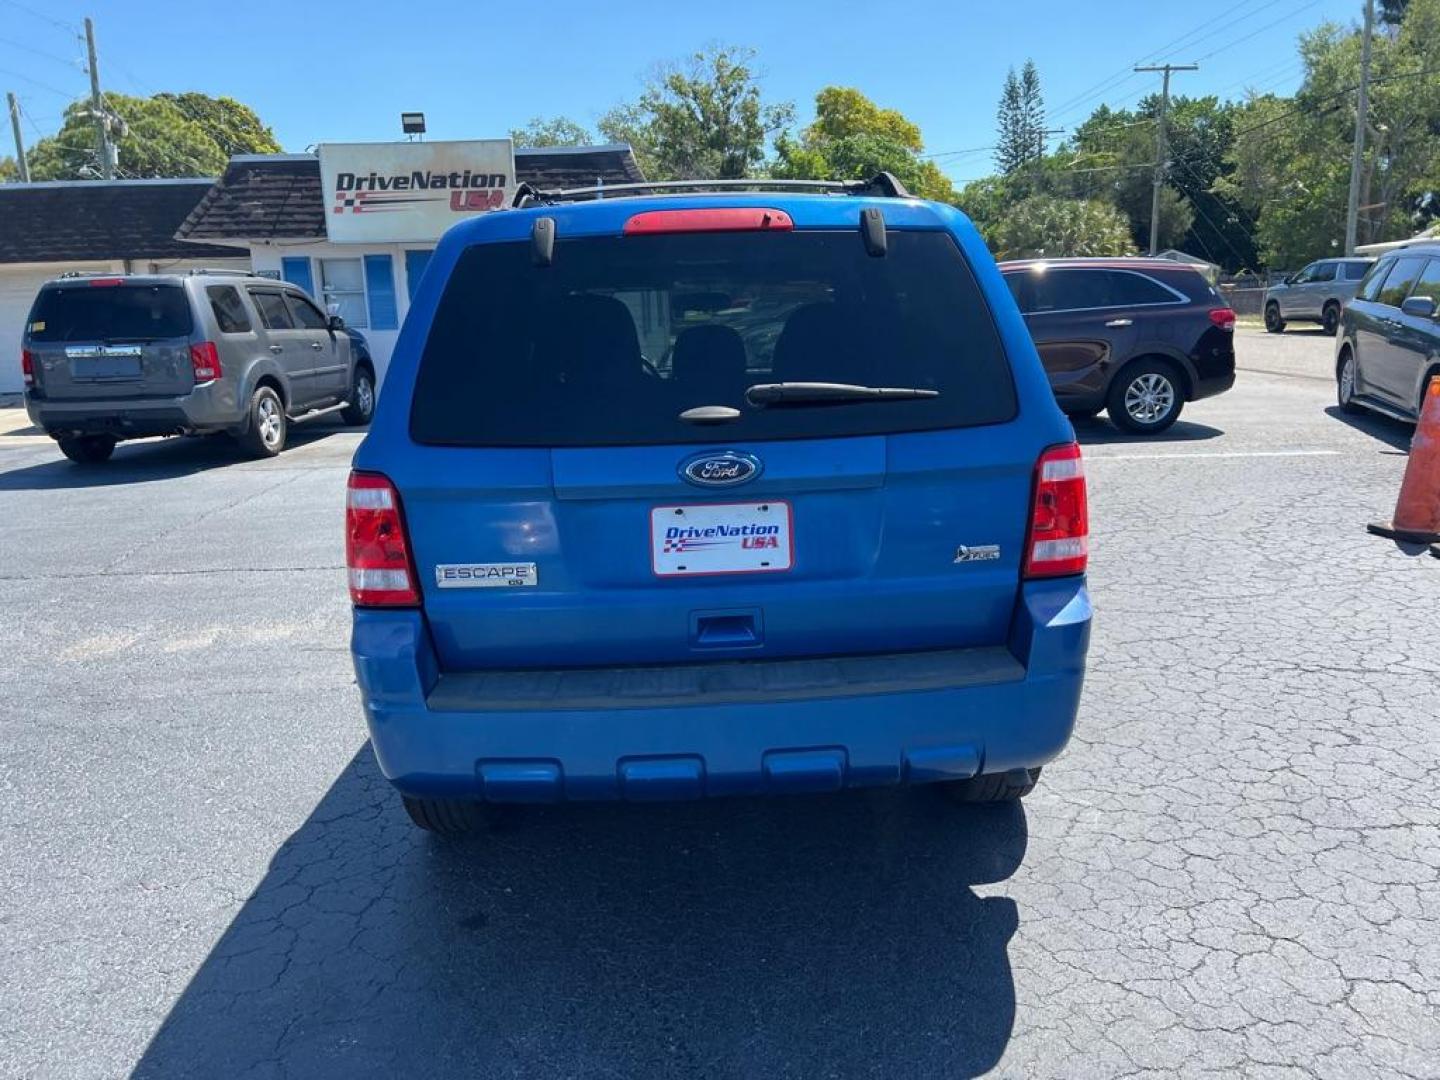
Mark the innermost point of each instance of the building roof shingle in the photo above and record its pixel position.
(278, 196)
(67, 220)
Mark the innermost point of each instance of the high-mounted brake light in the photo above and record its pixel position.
(27, 367)
(1223, 317)
(710, 219)
(377, 552)
(101, 282)
(205, 359)
(1059, 535)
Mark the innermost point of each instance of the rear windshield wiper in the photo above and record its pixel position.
(827, 393)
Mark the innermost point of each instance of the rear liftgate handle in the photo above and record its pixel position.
(1120, 322)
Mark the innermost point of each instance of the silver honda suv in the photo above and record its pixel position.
(1316, 294)
(108, 358)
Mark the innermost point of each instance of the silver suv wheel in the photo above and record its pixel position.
(1149, 398)
(270, 421)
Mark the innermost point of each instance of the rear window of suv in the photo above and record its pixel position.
(88, 312)
(610, 343)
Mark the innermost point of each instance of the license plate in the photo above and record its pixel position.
(725, 538)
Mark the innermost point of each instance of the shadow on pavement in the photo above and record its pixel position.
(145, 461)
(1394, 433)
(800, 937)
(1098, 431)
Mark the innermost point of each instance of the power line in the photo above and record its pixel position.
(36, 82)
(1256, 33)
(69, 28)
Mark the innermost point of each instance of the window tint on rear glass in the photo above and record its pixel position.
(273, 312)
(1354, 271)
(1127, 289)
(230, 314)
(1397, 283)
(86, 312)
(609, 344)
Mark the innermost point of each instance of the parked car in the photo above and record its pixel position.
(1388, 349)
(713, 494)
(1316, 294)
(108, 358)
(1135, 337)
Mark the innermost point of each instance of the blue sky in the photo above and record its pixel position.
(339, 72)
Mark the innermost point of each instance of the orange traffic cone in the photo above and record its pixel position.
(1417, 511)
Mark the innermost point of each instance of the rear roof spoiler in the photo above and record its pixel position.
(882, 185)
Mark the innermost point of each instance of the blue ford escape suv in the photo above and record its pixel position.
(696, 494)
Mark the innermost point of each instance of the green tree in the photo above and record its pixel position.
(1044, 226)
(986, 202)
(9, 170)
(703, 120)
(852, 138)
(233, 127)
(1020, 121)
(552, 131)
(1290, 160)
(1392, 12)
(165, 135)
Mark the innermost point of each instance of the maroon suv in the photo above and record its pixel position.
(1135, 337)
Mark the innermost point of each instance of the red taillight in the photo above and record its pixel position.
(377, 553)
(1059, 536)
(1223, 317)
(710, 219)
(205, 359)
(101, 282)
(27, 367)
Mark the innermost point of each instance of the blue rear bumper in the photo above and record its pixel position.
(1008, 708)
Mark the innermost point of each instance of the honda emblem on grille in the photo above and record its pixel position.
(724, 469)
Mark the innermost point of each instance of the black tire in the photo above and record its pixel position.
(993, 787)
(1273, 322)
(361, 406)
(88, 449)
(266, 426)
(1330, 318)
(1345, 400)
(1141, 388)
(450, 817)
(1084, 414)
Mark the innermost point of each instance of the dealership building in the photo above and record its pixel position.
(353, 224)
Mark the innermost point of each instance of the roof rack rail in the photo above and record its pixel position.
(89, 273)
(222, 271)
(882, 184)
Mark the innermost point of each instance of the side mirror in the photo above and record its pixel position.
(336, 323)
(1422, 307)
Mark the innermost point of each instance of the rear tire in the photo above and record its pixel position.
(1084, 414)
(449, 817)
(1345, 383)
(1330, 319)
(1273, 322)
(362, 399)
(88, 449)
(266, 428)
(994, 787)
(1146, 397)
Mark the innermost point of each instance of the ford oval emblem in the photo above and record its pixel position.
(725, 469)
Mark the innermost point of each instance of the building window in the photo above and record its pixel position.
(342, 285)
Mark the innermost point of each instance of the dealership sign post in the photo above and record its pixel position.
(411, 191)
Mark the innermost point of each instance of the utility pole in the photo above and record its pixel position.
(1362, 110)
(1040, 139)
(97, 107)
(1162, 150)
(19, 143)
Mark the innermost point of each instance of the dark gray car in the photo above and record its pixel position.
(1389, 344)
(108, 358)
(1315, 294)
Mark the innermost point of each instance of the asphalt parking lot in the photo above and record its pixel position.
(1235, 869)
